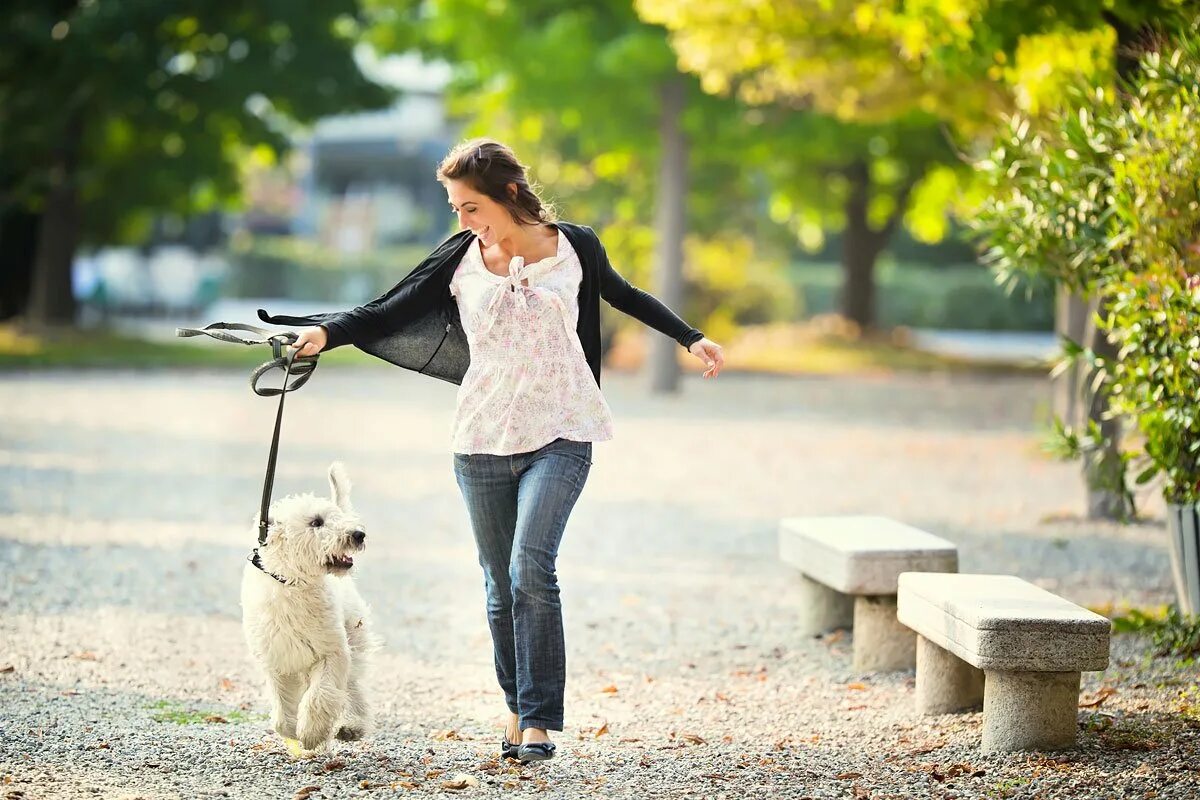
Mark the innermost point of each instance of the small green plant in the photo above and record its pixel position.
(1178, 635)
(1173, 633)
(172, 711)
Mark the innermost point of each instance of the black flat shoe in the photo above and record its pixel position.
(536, 751)
(507, 748)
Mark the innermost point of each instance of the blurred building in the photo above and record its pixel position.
(367, 180)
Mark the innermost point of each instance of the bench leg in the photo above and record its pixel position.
(945, 683)
(1029, 710)
(823, 609)
(881, 643)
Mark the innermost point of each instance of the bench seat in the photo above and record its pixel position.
(849, 567)
(996, 638)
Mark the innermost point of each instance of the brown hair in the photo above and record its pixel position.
(488, 167)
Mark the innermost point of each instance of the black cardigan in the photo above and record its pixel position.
(415, 324)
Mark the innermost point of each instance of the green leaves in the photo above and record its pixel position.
(169, 96)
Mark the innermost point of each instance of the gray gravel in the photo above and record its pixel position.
(125, 508)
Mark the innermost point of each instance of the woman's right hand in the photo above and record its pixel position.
(311, 341)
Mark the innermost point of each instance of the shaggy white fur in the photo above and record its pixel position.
(312, 635)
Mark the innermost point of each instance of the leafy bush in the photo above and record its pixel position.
(1103, 197)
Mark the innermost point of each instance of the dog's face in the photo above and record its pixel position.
(309, 536)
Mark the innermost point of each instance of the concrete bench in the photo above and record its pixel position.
(1003, 641)
(848, 570)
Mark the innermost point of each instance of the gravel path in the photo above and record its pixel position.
(125, 508)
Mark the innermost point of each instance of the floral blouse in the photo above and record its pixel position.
(529, 382)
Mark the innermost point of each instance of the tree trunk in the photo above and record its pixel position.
(669, 224)
(1103, 472)
(18, 246)
(860, 249)
(1071, 315)
(52, 299)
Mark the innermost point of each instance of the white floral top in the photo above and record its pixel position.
(529, 382)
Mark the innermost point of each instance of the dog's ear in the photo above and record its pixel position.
(339, 485)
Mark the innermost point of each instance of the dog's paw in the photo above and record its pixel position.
(351, 733)
(285, 729)
(311, 740)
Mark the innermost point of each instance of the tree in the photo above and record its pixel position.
(965, 62)
(111, 112)
(869, 154)
(591, 96)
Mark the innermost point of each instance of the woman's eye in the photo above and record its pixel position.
(317, 522)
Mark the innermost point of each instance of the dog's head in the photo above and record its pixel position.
(309, 536)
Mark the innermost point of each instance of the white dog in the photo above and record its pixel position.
(305, 623)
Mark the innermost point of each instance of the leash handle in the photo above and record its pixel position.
(269, 484)
(303, 367)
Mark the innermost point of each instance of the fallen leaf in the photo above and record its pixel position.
(364, 784)
(855, 708)
(433, 773)
(1102, 694)
(304, 792)
(602, 730)
(446, 735)
(334, 764)
(403, 784)
(7, 668)
(848, 776)
(460, 781)
(856, 687)
(691, 737)
(215, 718)
(610, 689)
(226, 684)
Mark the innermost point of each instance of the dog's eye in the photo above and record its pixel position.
(317, 522)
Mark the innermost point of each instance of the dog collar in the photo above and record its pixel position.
(254, 559)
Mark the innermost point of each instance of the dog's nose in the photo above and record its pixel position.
(359, 536)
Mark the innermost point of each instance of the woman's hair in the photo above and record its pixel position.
(489, 167)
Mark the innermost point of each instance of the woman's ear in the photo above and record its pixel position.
(512, 190)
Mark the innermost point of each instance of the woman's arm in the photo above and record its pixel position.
(641, 305)
(646, 308)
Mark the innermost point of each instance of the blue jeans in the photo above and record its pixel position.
(519, 506)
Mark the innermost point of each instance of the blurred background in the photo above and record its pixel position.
(183, 164)
(822, 187)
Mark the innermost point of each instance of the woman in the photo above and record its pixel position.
(508, 308)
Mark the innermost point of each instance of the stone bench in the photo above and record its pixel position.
(1003, 641)
(848, 570)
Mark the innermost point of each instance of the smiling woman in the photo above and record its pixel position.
(509, 309)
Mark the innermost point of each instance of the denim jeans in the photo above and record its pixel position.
(518, 505)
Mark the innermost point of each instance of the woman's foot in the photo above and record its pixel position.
(535, 745)
(510, 745)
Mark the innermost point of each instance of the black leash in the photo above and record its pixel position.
(302, 368)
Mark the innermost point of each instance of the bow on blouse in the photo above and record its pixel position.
(518, 272)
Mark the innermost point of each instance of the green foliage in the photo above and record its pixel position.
(1103, 198)
(1046, 210)
(154, 103)
(1174, 634)
(1154, 302)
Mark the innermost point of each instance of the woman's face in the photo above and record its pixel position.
(479, 213)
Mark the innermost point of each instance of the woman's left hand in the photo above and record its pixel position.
(709, 352)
